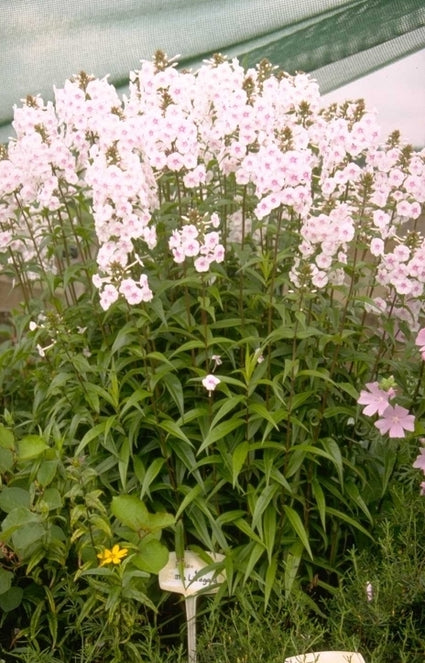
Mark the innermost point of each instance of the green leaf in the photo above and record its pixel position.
(230, 403)
(349, 389)
(298, 527)
(174, 429)
(334, 453)
(95, 432)
(343, 516)
(52, 498)
(150, 474)
(246, 529)
(269, 529)
(6, 578)
(30, 447)
(320, 501)
(132, 512)
(262, 503)
(175, 389)
(11, 599)
(270, 579)
(238, 459)
(221, 430)
(47, 472)
(292, 563)
(263, 412)
(7, 439)
(152, 557)
(12, 497)
(256, 553)
(188, 499)
(7, 460)
(26, 540)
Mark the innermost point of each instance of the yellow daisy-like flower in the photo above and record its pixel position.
(113, 556)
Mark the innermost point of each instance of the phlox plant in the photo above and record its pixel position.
(218, 276)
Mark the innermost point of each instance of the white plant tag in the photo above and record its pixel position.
(170, 579)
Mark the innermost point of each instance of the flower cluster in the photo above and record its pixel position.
(325, 171)
(394, 419)
(196, 240)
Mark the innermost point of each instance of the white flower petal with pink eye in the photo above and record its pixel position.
(210, 382)
(191, 247)
(219, 253)
(108, 296)
(202, 264)
(377, 246)
(178, 256)
(189, 231)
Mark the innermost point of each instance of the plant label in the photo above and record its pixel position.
(193, 580)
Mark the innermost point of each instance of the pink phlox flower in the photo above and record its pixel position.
(395, 421)
(422, 487)
(419, 463)
(375, 399)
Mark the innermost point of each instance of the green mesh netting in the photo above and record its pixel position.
(43, 42)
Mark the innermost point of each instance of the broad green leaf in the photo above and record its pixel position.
(152, 557)
(26, 539)
(7, 460)
(52, 498)
(12, 497)
(160, 520)
(47, 472)
(6, 578)
(132, 512)
(7, 439)
(11, 599)
(30, 447)
(20, 517)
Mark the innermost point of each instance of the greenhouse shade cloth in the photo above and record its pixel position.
(44, 42)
